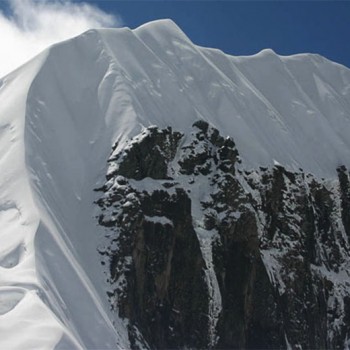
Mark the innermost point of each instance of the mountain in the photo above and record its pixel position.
(158, 194)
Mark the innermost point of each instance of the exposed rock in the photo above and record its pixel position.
(201, 253)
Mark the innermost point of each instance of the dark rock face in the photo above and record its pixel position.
(150, 157)
(154, 256)
(200, 253)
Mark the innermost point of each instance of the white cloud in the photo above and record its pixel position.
(31, 26)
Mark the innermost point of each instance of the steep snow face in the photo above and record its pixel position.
(60, 115)
(25, 320)
(66, 141)
(293, 110)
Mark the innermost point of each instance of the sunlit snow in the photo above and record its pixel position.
(61, 113)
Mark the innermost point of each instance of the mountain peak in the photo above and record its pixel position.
(66, 111)
(160, 24)
(162, 28)
(249, 97)
(267, 52)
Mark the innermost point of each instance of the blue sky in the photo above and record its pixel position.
(246, 27)
(236, 27)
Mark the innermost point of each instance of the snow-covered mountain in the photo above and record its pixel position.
(128, 218)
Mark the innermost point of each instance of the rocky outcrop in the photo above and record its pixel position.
(201, 253)
(155, 264)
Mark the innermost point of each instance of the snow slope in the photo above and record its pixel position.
(61, 113)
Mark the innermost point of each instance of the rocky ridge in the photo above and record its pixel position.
(202, 253)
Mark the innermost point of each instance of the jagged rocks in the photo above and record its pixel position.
(201, 253)
(205, 150)
(301, 244)
(147, 156)
(344, 182)
(156, 267)
(158, 258)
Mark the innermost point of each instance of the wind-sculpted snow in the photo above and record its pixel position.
(60, 116)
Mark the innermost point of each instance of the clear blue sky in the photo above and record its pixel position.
(246, 27)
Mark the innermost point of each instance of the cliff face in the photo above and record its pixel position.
(201, 253)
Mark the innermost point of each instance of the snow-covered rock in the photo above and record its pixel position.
(64, 113)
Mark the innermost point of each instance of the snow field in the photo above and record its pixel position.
(61, 113)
